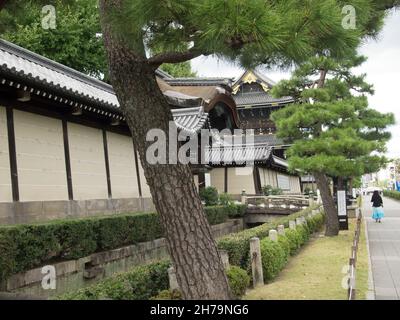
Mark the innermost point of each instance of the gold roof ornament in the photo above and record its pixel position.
(250, 77)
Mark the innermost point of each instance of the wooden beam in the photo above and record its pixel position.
(137, 170)
(107, 161)
(67, 160)
(226, 179)
(12, 153)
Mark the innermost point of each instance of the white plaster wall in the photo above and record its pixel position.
(267, 177)
(295, 184)
(5, 177)
(143, 182)
(196, 181)
(217, 176)
(40, 157)
(89, 179)
(122, 166)
(240, 179)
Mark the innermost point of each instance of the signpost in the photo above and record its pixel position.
(342, 210)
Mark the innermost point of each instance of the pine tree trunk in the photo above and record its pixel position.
(199, 269)
(332, 221)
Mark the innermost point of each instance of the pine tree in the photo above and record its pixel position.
(333, 131)
(254, 32)
(247, 32)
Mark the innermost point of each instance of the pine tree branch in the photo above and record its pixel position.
(174, 57)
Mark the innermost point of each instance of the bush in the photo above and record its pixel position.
(209, 195)
(237, 245)
(238, 279)
(294, 239)
(168, 295)
(269, 191)
(151, 281)
(273, 257)
(225, 199)
(237, 210)
(392, 194)
(23, 247)
(140, 283)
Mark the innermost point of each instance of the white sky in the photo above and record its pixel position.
(382, 68)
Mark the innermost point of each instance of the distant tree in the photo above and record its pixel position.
(75, 42)
(333, 131)
(179, 70)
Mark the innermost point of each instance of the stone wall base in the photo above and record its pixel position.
(35, 211)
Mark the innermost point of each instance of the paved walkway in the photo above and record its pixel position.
(384, 246)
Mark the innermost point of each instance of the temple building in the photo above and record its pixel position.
(254, 103)
(66, 151)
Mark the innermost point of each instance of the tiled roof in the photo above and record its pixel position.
(25, 64)
(29, 66)
(190, 120)
(237, 154)
(205, 81)
(259, 98)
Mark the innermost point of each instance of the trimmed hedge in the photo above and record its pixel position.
(392, 194)
(23, 247)
(238, 279)
(141, 283)
(237, 245)
(275, 255)
(151, 281)
(148, 282)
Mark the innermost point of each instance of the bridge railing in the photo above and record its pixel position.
(278, 201)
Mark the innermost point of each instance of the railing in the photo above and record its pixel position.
(351, 293)
(278, 202)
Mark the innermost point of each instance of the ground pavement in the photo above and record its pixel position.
(384, 246)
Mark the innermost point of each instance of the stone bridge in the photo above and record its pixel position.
(261, 209)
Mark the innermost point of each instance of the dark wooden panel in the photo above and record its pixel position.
(12, 153)
(67, 160)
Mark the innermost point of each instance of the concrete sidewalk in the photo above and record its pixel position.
(384, 246)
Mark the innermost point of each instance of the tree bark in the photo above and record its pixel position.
(332, 221)
(199, 269)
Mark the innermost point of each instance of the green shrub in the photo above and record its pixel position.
(237, 245)
(238, 279)
(209, 195)
(294, 239)
(23, 247)
(140, 283)
(168, 295)
(217, 214)
(273, 257)
(266, 190)
(225, 199)
(392, 194)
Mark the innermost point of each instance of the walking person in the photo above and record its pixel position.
(377, 206)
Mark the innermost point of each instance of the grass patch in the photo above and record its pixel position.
(316, 272)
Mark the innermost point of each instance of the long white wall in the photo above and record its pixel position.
(88, 168)
(240, 179)
(270, 177)
(217, 177)
(40, 157)
(5, 176)
(122, 166)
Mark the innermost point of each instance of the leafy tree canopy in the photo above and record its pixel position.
(76, 41)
